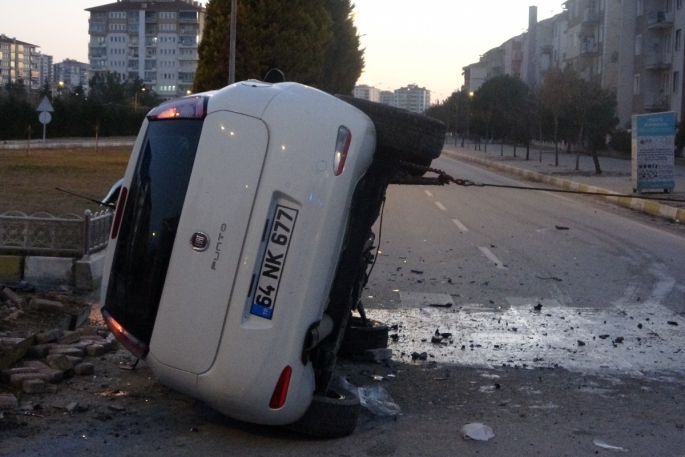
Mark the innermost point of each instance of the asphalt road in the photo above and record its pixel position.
(604, 277)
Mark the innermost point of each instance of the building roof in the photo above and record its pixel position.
(156, 5)
(6, 39)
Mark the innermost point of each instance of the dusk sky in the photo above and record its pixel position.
(426, 43)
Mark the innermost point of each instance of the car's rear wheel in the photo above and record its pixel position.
(402, 134)
(362, 335)
(332, 415)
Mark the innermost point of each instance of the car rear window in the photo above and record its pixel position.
(149, 223)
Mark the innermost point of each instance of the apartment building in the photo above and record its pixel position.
(632, 47)
(156, 41)
(42, 64)
(367, 93)
(412, 98)
(71, 74)
(387, 97)
(18, 62)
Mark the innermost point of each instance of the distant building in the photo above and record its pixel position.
(71, 73)
(387, 98)
(367, 93)
(413, 98)
(16, 58)
(42, 63)
(154, 40)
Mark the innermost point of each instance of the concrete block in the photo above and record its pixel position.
(70, 337)
(84, 369)
(45, 305)
(8, 402)
(34, 386)
(46, 337)
(40, 351)
(75, 360)
(37, 364)
(11, 268)
(88, 330)
(5, 375)
(88, 271)
(13, 297)
(52, 376)
(95, 350)
(74, 352)
(49, 271)
(59, 362)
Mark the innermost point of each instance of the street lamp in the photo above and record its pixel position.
(135, 99)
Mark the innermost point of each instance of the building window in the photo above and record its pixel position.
(678, 39)
(668, 36)
(678, 4)
(676, 82)
(640, 7)
(636, 84)
(600, 37)
(638, 45)
(117, 15)
(664, 83)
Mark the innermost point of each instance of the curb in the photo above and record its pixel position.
(652, 208)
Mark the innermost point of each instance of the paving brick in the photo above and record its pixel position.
(34, 386)
(12, 296)
(59, 362)
(74, 352)
(5, 375)
(95, 350)
(8, 402)
(88, 330)
(47, 337)
(75, 360)
(36, 364)
(40, 351)
(84, 369)
(46, 305)
(70, 337)
(52, 376)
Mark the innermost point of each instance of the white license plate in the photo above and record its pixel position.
(277, 243)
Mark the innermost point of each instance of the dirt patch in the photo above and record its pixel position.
(27, 182)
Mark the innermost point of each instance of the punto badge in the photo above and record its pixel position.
(199, 241)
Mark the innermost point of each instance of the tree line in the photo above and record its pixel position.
(113, 107)
(565, 107)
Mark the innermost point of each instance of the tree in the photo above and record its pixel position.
(313, 42)
(343, 59)
(555, 96)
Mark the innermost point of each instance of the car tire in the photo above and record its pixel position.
(361, 336)
(402, 134)
(333, 415)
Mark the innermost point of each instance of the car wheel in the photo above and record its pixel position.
(402, 134)
(332, 415)
(361, 336)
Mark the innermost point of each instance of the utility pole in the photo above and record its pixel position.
(231, 55)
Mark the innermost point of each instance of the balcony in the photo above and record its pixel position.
(656, 102)
(589, 48)
(657, 61)
(659, 20)
(590, 17)
(132, 29)
(97, 29)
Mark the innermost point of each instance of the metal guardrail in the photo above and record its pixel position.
(42, 233)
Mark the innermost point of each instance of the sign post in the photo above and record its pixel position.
(45, 108)
(653, 143)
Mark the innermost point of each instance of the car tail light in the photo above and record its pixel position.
(121, 204)
(281, 390)
(342, 145)
(130, 342)
(183, 108)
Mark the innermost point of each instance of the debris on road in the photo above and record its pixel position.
(378, 401)
(560, 227)
(477, 431)
(538, 307)
(609, 447)
(418, 272)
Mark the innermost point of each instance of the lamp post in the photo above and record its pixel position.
(135, 99)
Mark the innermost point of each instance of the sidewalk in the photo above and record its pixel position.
(615, 177)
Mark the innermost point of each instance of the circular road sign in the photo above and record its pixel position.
(44, 117)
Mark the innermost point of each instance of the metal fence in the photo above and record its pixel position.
(68, 235)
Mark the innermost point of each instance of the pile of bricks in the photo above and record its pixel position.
(56, 355)
(10, 302)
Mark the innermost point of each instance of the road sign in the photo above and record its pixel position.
(653, 138)
(44, 117)
(45, 106)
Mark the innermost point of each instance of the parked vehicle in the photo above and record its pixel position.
(241, 243)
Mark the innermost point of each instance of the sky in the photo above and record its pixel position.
(424, 42)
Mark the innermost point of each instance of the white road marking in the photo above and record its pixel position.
(459, 225)
(441, 206)
(428, 192)
(492, 257)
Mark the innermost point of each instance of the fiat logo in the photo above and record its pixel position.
(199, 241)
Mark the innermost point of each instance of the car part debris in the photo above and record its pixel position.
(477, 431)
(609, 447)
